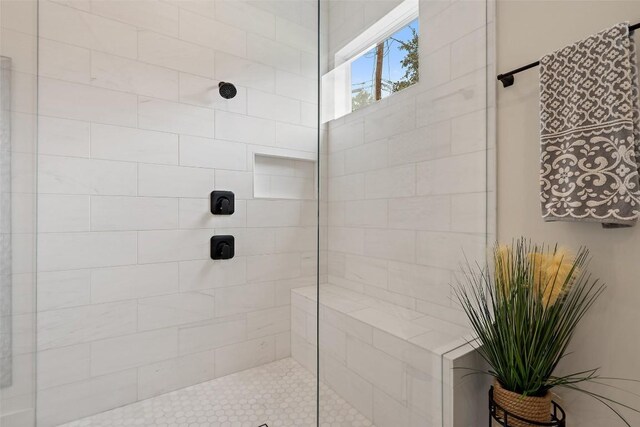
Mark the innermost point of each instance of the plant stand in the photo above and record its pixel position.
(557, 415)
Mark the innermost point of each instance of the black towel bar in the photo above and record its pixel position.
(507, 79)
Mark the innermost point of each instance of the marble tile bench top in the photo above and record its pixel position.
(428, 332)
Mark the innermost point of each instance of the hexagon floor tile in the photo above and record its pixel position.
(280, 394)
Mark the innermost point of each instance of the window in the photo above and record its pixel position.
(360, 75)
(380, 60)
(388, 67)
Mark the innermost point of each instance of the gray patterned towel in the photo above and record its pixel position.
(590, 131)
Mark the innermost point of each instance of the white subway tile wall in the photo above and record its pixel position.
(18, 162)
(407, 176)
(406, 203)
(387, 366)
(133, 138)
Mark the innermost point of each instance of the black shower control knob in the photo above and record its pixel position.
(224, 250)
(222, 202)
(222, 247)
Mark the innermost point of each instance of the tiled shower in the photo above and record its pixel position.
(349, 229)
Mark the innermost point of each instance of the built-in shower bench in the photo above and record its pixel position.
(393, 364)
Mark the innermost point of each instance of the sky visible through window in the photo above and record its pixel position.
(363, 69)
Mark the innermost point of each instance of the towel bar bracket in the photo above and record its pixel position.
(506, 79)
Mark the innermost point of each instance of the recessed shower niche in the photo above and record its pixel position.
(277, 177)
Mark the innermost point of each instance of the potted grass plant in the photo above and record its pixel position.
(524, 310)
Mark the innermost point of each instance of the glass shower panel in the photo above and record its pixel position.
(146, 108)
(18, 100)
(406, 202)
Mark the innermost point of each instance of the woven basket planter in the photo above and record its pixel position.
(528, 407)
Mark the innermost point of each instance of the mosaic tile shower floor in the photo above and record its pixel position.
(280, 394)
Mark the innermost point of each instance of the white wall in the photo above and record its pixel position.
(133, 137)
(608, 337)
(407, 183)
(407, 194)
(18, 29)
